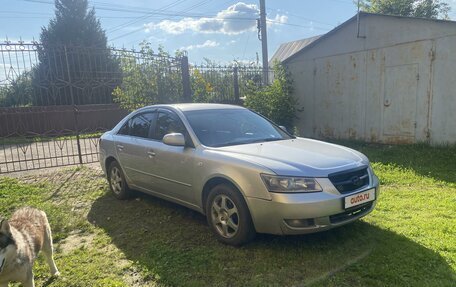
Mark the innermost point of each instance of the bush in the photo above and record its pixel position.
(274, 101)
(149, 80)
(18, 93)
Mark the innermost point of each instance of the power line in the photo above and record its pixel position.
(139, 19)
(149, 13)
(143, 18)
(186, 9)
(162, 9)
(297, 25)
(311, 20)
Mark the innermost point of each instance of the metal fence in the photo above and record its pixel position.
(224, 84)
(56, 101)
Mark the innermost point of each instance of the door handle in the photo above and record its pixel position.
(151, 154)
(120, 147)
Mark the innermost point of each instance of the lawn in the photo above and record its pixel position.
(409, 240)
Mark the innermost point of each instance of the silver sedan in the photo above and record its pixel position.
(242, 171)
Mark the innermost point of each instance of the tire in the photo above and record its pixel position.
(117, 182)
(228, 216)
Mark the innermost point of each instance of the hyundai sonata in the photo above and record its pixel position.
(239, 169)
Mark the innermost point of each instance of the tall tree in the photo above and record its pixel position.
(75, 64)
(412, 8)
(74, 24)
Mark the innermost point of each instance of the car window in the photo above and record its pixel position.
(168, 122)
(139, 125)
(216, 128)
(124, 129)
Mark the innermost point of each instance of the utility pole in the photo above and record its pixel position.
(264, 41)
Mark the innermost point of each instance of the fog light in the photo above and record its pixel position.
(300, 222)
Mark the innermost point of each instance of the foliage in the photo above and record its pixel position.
(73, 49)
(157, 78)
(150, 80)
(202, 89)
(18, 93)
(214, 83)
(412, 8)
(274, 101)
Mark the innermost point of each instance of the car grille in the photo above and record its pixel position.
(347, 181)
(350, 213)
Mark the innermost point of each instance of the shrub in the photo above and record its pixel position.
(274, 101)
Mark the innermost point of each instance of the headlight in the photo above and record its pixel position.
(276, 183)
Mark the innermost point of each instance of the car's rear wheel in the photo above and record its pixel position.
(228, 215)
(117, 182)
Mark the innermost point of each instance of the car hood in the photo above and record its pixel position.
(298, 157)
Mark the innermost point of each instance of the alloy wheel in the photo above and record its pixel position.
(225, 216)
(116, 180)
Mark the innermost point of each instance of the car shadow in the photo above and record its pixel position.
(174, 246)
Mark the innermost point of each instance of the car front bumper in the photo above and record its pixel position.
(314, 212)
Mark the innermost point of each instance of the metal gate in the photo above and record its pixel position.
(55, 102)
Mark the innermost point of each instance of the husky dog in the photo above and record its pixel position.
(21, 238)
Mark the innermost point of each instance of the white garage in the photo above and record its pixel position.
(385, 79)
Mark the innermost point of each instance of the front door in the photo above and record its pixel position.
(172, 165)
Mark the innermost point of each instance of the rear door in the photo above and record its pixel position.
(131, 142)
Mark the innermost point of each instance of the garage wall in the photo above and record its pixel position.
(401, 93)
(443, 97)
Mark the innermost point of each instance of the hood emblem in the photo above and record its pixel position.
(356, 180)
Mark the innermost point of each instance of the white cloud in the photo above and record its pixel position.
(236, 19)
(281, 19)
(277, 20)
(206, 44)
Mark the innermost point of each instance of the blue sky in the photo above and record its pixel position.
(202, 27)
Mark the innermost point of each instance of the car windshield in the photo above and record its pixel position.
(224, 127)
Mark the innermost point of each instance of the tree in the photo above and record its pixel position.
(412, 8)
(274, 101)
(18, 92)
(150, 79)
(74, 60)
(202, 90)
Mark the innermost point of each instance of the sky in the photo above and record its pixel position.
(219, 30)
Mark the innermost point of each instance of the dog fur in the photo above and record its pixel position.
(21, 239)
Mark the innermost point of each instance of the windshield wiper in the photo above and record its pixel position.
(247, 142)
(266, 140)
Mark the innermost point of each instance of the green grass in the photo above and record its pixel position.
(409, 240)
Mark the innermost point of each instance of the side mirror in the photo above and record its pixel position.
(283, 128)
(174, 139)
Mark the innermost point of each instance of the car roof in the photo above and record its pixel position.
(198, 106)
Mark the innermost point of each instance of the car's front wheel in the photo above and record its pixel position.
(117, 182)
(228, 215)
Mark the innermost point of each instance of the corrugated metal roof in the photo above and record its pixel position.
(287, 50)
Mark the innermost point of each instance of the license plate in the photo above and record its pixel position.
(359, 198)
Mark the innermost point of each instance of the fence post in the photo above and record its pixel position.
(187, 90)
(75, 110)
(236, 85)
